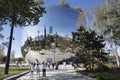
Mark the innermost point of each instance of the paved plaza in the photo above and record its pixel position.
(64, 73)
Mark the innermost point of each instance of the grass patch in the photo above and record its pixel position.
(12, 71)
(113, 73)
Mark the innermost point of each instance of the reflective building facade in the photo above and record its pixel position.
(56, 19)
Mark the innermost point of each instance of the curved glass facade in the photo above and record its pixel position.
(62, 20)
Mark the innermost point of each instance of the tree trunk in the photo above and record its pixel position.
(9, 50)
(116, 53)
(113, 42)
(97, 30)
(88, 26)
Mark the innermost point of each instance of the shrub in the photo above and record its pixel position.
(102, 68)
(37, 48)
(101, 78)
(91, 75)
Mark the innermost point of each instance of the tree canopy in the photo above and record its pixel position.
(20, 12)
(78, 9)
(107, 19)
(63, 3)
(89, 48)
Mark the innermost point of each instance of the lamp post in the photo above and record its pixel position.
(53, 50)
(38, 38)
(54, 55)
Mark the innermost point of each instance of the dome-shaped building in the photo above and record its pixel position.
(56, 19)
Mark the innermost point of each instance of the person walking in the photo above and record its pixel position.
(48, 64)
(32, 70)
(38, 70)
(53, 64)
(43, 69)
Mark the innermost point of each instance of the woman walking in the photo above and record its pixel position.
(43, 69)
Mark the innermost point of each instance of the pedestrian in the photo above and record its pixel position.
(53, 64)
(48, 64)
(31, 70)
(43, 69)
(38, 70)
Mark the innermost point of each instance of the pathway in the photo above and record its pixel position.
(64, 73)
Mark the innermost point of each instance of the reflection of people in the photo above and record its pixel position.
(38, 70)
(57, 65)
(43, 69)
(64, 63)
(74, 65)
(53, 64)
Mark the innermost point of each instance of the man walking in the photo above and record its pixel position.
(43, 69)
(38, 70)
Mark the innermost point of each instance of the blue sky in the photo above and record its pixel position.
(84, 4)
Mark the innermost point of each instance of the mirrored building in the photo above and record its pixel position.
(56, 19)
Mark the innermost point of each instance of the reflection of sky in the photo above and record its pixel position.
(62, 19)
